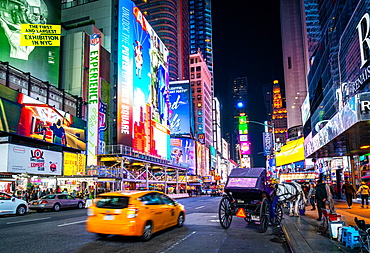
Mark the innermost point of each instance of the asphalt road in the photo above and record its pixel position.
(64, 232)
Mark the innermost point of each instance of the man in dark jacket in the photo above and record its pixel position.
(348, 191)
(321, 197)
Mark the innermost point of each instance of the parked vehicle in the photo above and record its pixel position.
(55, 202)
(12, 205)
(134, 213)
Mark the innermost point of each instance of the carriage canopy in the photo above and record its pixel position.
(246, 179)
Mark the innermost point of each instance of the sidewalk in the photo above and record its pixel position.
(302, 235)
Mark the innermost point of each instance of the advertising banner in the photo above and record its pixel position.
(70, 164)
(268, 145)
(180, 105)
(143, 99)
(25, 116)
(183, 154)
(30, 37)
(213, 154)
(22, 159)
(93, 99)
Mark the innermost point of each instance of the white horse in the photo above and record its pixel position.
(291, 193)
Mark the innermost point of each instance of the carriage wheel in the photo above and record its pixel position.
(276, 220)
(264, 215)
(225, 214)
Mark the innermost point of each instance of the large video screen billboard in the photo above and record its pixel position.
(142, 96)
(180, 108)
(33, 22)
(29, 117)
(183, 154)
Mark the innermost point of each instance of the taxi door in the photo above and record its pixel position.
(155, 210)
(169, 209)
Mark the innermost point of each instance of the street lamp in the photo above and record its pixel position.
(266, 125)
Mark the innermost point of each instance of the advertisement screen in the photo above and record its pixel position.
(143, 100)
(22, 159)
(183, 154)
(292, 152)
(180, 105)
(34, 24)
(29, 117)
(245, 148)
(73, 164)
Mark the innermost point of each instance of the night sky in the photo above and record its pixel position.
(246, 43)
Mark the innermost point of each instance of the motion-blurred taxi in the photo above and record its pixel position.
(134, 213)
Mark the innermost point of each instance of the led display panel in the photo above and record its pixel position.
(29, 38)
(183, 154)
(180, 105)
(142, 96)
(25, 116)
(245, 148)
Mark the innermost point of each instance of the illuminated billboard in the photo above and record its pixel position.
(73, 164)
(25, 116)
(245, 148)
(142, 95)
(183, 154)
(22, 159)
(292, 152)
(36, 25)
(180, 108)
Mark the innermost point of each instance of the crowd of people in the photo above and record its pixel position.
(321, 195)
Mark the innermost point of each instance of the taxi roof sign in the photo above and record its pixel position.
(241, 213)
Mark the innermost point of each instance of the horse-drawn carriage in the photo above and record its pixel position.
(248, 195)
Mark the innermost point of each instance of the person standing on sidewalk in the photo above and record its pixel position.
(364, 191)
(321, 197)
(311, 196)
(348, 190)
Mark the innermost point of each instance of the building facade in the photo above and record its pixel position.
(295, 60)
(200, 30)
(201, 83)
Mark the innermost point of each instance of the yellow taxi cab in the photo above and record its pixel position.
(134, 213)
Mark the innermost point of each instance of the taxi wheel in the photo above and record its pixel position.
(56, 207)
(180, 220)
(21, 210)
(147, 232)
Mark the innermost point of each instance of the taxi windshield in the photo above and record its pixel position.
(112, 202)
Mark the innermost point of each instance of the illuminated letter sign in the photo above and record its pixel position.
(93, 99)
(363, 35)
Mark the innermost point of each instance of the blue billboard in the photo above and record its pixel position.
(183, 154)
(180, 108)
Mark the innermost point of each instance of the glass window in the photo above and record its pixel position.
(200, 112)
(198, 75)
(151, 199)
(112, 202)
(200, 119)
(166, 200)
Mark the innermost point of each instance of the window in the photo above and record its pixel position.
(289, 62)
(192, 69)
(199, 104)
(200, 119)
(199, 89)
(112, 202)
(198, 68)
(151, 199)
(198, 75)
(191, 61)
(199, 82)
(192, 76)
(200, 112)
(199, 97)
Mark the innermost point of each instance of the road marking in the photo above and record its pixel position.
(199, 207)
(13, 222)
(177, 243)
(72, 223)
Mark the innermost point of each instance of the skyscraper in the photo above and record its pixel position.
(170, 20)
(295, 58)
(201, 84)
(201, 30)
